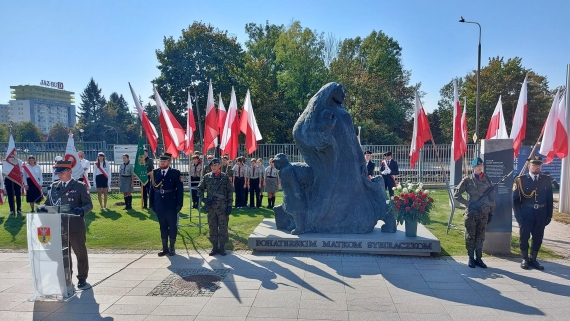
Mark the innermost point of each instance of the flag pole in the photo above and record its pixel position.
(531, 153)
(203, 159)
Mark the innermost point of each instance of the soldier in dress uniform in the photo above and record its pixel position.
(476, 221)
(533, 205)
(218, 203)
(195, 177)
(389, 169)
(240, 175)
(149, 163)
(67, 191)
(369, 163)
(166, 200)
(254, 185)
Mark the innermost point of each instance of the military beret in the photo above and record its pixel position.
(62, 166)
(166, 156)
(367, 152)
(536, 160)
(214, 161)
(388, 154)
(476, 162)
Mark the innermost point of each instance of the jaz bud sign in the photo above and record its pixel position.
(53, 84)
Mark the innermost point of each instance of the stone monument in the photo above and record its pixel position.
(330, 192)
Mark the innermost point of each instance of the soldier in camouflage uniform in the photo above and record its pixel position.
(479, 215)
(218, 204)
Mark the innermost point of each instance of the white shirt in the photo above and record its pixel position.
(85, 164)
(163, 171)
(36, 171)
(96, 172)
(533, 176)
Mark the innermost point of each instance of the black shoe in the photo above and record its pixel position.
(471, 263)
(12, 213)
(480, 263)
(164, 248)
(82, 283)
(20, 212)
(524, 263)
(222, 250)
(145, 208)
(214, 251)
(172, 252)
(534, 263)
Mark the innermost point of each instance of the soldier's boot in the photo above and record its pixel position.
(164, 248)
(126, 202)
(471, 262)
(171, 250)
(524, 263)
(479, 260)
(534, 263)
(222, 249)
(215, 249)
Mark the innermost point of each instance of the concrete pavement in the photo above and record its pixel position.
(299, 286)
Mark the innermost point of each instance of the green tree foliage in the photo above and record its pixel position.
(378, 94)
(498, 78)
(58, 133)
(202, 53)
(26, 132)
(4, 133)
(92, 104)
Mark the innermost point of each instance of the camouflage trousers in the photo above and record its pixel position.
(475, 227)
(218, 223)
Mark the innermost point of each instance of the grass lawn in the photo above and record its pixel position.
(561, 217)
(137, 229)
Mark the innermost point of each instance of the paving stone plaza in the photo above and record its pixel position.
(295, 286)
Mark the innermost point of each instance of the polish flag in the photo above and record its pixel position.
(551, 130)
(497, 128)
(229, 143)
(190, 128)
(459, 147)
(11, 165)
(518, 131)
(149, 129)
(173, 134)
(421, 134)
(221, 115)
(211, 129)
(464, 128)
(248, 125)
(1, 188)
(77, 170)
(561, 141)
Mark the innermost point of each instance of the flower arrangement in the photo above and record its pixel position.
(410, 204)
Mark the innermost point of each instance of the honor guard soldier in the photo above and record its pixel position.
(67, 191)
(369, 164)
(533, 206)
(166, 200)
(149, 163)
(389, 169)
(218, 205)
(479, 212)
(195, 177)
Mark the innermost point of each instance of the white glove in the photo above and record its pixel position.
(387, 171)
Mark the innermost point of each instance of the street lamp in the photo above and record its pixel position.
(478, 76)
(116, 132)
(81, 131)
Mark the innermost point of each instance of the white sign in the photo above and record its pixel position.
(130, 150)
(58, 85)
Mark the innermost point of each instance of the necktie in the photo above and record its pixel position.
(239, 171)
(163, 173)
(253, 172)
(270, 171)
(535, 178)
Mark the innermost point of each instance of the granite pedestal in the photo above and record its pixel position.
(266, 237)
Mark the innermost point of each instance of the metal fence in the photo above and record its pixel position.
(427, 170)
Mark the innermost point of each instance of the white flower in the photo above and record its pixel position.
(399, 186)
(394, 188)
(417, 190)
(410, 186)
(405, 190)
(388, 201)
(392, 197)
(421, 185)
(426, 191)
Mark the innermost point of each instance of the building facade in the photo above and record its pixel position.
(4, 113)
(42, 106)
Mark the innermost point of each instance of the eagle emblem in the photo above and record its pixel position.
(44, 234)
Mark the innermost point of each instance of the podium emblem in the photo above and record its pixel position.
(44, 234)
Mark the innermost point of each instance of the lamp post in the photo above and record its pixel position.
(478, 78)
(116, 132)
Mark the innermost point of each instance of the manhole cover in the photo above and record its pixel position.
(190, 282)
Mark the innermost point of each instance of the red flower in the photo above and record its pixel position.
(424, 204)
(396, 198)
(406, 201)
(431, 200)
(398, 207)
(415, 205)
(402, 195)
(423, 208)
(424, 195)
(407, 208)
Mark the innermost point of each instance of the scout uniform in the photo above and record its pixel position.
(255, 177)
(126, 172)
(271, 184)
(195, 170)
(240, 174)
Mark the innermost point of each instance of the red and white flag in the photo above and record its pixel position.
(211, 128)
(149, 129)
(77, 170)
(1, 188)
(248, 125)
(421, 134)
(221, 116)
(190, 128)
(459, 146)
(551, 141)
(464, 128)
(497, 128)
(173, 134)
(518, 131)
(561, 140)
(11, 165)
(229, 142)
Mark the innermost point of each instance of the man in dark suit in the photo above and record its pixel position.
(533, 205)
(369, 164)
(389, 170)
(71, 192)
(166, 200)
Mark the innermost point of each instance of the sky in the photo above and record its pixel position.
(115, 41)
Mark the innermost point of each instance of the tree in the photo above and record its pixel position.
(499, 78)
(58, 133)
(92, 103)
(202, 53)
(27, 132)
(4, 133)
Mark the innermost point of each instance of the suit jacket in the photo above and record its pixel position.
(370, 168)
(171, 184)
(393, 166)
(75, 194)
(524, 185)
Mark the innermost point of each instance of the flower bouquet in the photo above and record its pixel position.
(411, 206)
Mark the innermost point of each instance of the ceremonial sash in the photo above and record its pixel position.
(30, 175)
(393, 177)
(102, 171)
